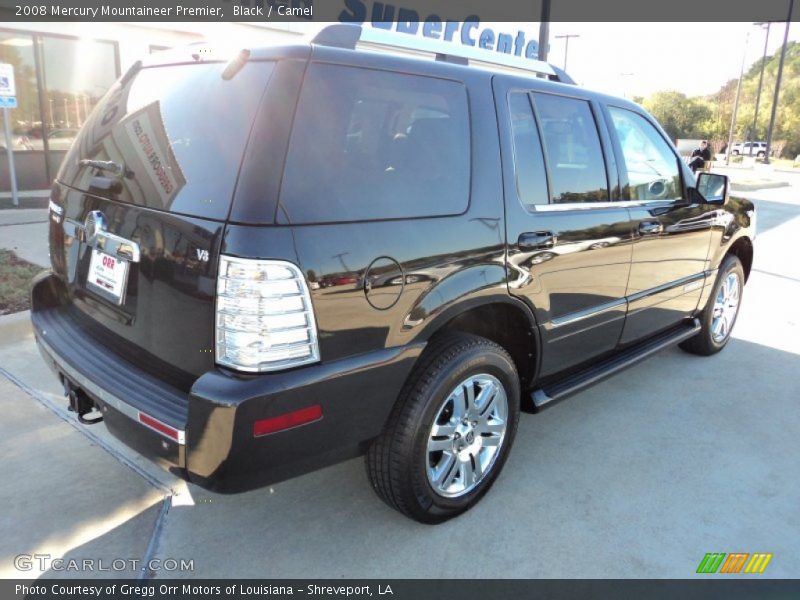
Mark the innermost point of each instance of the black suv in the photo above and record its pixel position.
(265, 265)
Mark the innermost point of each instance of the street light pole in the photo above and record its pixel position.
(754, 134)
(736, 103)
(544, 30)
(778, 84)
(566, 37)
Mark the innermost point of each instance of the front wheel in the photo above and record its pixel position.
(719, 315)
(450, 431)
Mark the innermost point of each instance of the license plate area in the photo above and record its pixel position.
(107, 276)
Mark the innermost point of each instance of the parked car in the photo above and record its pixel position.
(758, 149)
(345, 264)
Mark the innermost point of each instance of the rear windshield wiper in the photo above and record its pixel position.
(106, 165)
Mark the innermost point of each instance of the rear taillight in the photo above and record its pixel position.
(265, 320)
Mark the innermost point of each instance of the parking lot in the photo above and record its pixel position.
(639, 476)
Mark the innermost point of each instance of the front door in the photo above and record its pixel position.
(568, 243)
(671, 234)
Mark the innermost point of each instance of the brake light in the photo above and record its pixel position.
(265, 319)
(287, 421)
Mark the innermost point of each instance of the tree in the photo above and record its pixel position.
(681, 117)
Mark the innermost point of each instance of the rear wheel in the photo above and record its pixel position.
(720, 313)
(450, 431)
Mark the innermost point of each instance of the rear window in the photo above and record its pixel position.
(180, 131)
(370, 145)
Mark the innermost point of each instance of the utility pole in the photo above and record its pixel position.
(778, 84)
(736, 102)
(754, 134)
(544, 30)
(566, 37)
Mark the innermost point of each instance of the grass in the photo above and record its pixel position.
(784, 163)
(15, 280)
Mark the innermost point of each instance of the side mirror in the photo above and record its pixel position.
(713, 187)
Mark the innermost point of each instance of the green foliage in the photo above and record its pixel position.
(709, 117)
(681, 117)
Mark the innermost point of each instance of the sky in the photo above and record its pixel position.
(637, 59)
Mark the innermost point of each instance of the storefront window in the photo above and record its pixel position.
(76, 74)
(54, 95)
(17, 50)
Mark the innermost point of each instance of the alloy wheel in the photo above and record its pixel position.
(726, 306)
(467, 435)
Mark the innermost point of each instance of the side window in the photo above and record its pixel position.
(572, 145)
(653, 172)
(370, 144)
(529, 171)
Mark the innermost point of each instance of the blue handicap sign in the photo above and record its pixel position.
(8, 102)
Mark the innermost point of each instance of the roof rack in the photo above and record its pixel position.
(348, 35)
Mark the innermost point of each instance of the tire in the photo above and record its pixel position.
(761, 154)
(431, 478)
(735, 153)
(719, 316)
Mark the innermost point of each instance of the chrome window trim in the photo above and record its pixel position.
(534, 208)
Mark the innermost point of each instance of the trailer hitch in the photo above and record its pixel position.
(81, 404)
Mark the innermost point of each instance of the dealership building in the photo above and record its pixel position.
(63, 69)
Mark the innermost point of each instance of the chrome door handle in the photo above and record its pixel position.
(536, 240)
(650, 227)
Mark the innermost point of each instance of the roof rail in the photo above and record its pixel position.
(348, 35)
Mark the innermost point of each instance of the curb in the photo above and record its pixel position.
(762, 185)
(37, 202)
(15, 326)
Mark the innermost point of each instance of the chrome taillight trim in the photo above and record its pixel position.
(308, 311)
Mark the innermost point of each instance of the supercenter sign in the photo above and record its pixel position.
(468, 32)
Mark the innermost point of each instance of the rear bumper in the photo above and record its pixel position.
(206, 435)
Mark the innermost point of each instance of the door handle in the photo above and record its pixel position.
(650, 227)
(536, 240)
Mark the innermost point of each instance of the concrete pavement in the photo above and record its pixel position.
(63, 496)
(24, 231)
(637, 477)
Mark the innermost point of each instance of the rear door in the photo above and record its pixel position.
(568, 242)
(671, 233)
(145, 192)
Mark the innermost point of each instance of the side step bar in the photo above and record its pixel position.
(613, 365)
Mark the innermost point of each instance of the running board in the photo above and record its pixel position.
(613, 365)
